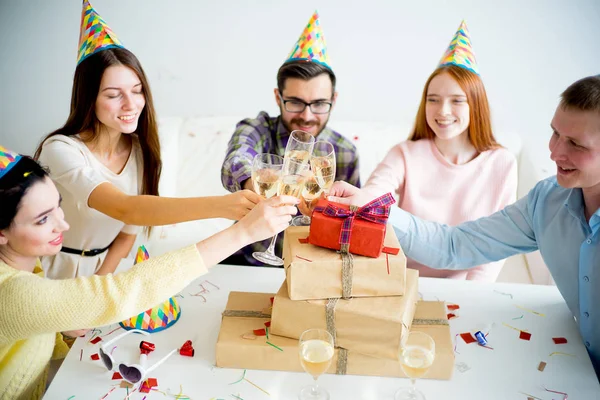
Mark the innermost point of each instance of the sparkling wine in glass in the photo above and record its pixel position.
(323, 164)
(416, 356)
(316, 352)
(266, 176)
(310, 195)
(299, 149)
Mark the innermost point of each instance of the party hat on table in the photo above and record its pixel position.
(95, 34)
(157, 318)
(460, 51)
(8, 159)
(311, 45)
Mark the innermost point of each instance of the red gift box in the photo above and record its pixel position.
(366, 237)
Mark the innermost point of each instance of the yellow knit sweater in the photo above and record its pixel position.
(33, 309)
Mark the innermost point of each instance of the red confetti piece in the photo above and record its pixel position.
(303, 240)
(145, 388)
(272, 299)
(116, 376)
(95, 357)
(268, 324)
(260, 332)
(390, 250)
(525, 335)
(559, 340)
(453, 307)
(114, 330)
(302, 258)
(355, 137)
(451, 315)
(96, 340)
(152, 382)
(468, 337)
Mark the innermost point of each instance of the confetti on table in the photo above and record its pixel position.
(530, 397)
(302, 258)
(237, 397)
(512, 327)
(462, 367)
(565, 396)
(531, 311)
(96, 340)
(106, 395)
(267, 333)
(268, 324)
(521, 317)
(249, 336)
(114, 330)
(81, 355)
(542, 366)
(95, 357)
(559, 340)
(258, 387)
(152, 382)
(525, 335)
(260, 332)
(468, 337)
(145, 388)
(241, 378)
(125, 384)
(277, 347)
(560, 353)
(453, 307)
(387, 263)
(272, 300)
(116, 376)
(451, 316)
(72, 397)
(303, 240)
(504, 294)
(130, 393)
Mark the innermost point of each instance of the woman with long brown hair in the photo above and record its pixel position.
(106, 161)
(451, 169)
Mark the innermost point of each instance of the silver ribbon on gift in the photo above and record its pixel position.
(347, 266)
(245, 313)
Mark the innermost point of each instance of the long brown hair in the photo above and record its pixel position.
(82, 118)
(480, 125)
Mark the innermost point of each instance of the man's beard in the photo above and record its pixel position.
(300, 121)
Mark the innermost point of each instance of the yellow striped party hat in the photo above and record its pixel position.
(460, 52)
(95, 34)
(311, 45)
(8, 159)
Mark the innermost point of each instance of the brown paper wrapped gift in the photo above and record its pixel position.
(318, 273)
(366, 325)
(233, 351)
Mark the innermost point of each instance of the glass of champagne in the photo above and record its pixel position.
(266, 175)
(299, 149)
(316, 352)
(309, 195)
(323, 164)
(416, 356)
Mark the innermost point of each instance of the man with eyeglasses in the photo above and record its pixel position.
(305, 95)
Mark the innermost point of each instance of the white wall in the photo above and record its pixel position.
(220, 57)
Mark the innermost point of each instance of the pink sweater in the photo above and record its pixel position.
(432, 188)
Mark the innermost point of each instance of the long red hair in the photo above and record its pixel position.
(480, 126)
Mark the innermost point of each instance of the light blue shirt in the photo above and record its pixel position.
(550, 218)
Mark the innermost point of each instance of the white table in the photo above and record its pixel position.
(501, 373)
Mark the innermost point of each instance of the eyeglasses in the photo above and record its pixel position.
(298, 106)
(131, 373)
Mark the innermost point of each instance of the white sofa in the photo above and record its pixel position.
(193, 150)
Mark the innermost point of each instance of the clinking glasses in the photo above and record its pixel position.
(131, 373)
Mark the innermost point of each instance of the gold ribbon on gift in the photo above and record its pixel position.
(245, 313)
(347, 266)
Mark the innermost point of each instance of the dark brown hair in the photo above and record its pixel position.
(480, 125)
(303, 69)
(14, 186)
(582, 95)
(82, 118)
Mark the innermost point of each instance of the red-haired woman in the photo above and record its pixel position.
(451, 169)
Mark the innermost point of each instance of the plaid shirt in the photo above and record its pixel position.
(265, 134)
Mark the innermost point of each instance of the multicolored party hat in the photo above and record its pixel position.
(142, 255)
(311, 45)
(95, 34)
(8, 159)
(157, 318)
(460, 52)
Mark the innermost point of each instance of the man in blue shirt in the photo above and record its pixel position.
(560, 217)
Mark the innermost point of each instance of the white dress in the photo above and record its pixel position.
(76, 173)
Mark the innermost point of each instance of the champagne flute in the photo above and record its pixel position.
(416, 356)
(266, 176)
(310, 194)
(299, 149)
(323, 164)
(316, 352)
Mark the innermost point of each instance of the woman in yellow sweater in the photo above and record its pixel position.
(34, 309)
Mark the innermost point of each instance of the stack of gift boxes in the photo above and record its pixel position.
(346, 273)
